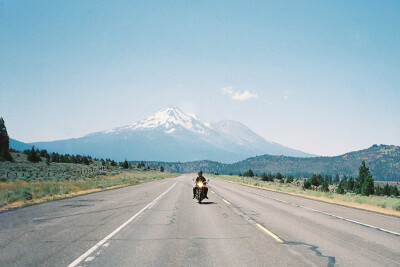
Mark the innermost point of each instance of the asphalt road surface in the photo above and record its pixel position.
(159, 224)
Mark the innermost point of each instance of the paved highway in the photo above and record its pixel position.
(159, 224)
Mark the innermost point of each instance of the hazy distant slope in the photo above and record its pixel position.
(247, 142)
(383, 160)
(20, 146)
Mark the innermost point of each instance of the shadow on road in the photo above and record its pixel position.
(208, 203)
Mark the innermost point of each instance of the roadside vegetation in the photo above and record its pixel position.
(19, 192)
(35, 176)
(360, 192)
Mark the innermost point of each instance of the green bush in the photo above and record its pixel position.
(325, 186)
(290, 179)
(307, 184)
(394, 191)
(12, 196)
(27, 194)
(64, 191)
(340, 188)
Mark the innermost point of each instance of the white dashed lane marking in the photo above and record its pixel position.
(328, 214)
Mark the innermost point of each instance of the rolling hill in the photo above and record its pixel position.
(383, 160)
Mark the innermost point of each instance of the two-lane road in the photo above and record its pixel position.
(159, 224)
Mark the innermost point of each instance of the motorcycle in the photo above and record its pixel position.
(200, 194)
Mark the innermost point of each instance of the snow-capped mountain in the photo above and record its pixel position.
(169, 120)
(173, 135)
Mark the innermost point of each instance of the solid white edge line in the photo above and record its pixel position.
(104, 240)
(332, 215)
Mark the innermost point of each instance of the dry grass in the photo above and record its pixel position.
(20, 193)
(381, 204)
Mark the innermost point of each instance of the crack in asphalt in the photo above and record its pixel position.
(238, 210)
(331, 259)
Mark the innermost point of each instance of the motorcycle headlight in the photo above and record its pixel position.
(200, 184)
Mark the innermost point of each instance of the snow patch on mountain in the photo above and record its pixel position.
(171, 130)
(172, 118)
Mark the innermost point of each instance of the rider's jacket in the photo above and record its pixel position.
(202, 179)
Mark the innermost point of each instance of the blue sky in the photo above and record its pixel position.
(319, 76)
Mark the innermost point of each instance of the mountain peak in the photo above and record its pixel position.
(238, 132)
(170, 119)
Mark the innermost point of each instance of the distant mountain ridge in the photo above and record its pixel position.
(171, 135)
(383, 161)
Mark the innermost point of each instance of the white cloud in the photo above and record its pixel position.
(227, 90)
(246, 95)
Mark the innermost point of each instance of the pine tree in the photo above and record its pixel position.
(264, 177)
(125, 165)
(314, 180)
(325, 186)
(365, 183)
(85, 161)
(278, 176)
(378, 190)
(161, 168)
(249, 173)
(386, 190)
(394, 191)
(350, 184)
(4, 142)
(342, 185)
(307, 184)
(368, 186)
(337, 178)
(33, 156)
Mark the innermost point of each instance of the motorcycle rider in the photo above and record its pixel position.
(200, 178)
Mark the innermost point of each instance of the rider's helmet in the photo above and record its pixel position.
(200, 173)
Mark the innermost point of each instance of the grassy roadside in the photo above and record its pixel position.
(15, 194)
(385, 205)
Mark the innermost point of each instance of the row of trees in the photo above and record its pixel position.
(362, 185)
(108, 161)
(316, 180)
(268, 177)
(5, 154)
(142, 165)
(387, 190)
(36, 155)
